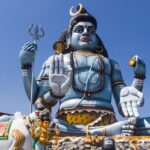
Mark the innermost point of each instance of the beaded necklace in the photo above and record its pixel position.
(96, 90)
(83, 82)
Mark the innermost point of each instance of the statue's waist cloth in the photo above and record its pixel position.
(88, 116)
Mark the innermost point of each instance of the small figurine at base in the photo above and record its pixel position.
(41, 132)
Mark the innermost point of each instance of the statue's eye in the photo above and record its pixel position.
(91, 30)
(46, 122)
(78, 30)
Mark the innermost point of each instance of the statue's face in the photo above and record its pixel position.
(39, 122)
(46, 124)
(84, 36)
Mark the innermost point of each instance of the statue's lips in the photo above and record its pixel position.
(85, 39)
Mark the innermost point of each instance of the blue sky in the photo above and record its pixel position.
(123, 25)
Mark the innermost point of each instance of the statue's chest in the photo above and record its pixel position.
(89, 70)
(86, 64)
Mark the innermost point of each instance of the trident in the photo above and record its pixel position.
(36, 33)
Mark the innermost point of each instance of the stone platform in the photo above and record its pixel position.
(95, 143)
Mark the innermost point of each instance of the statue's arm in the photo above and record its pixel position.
(45, 98)
(129, 97)
(53, 82)
(117, 83)
(139, 72)
(26, 56)
(30, 83)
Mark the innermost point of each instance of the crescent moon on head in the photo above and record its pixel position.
(76, 13)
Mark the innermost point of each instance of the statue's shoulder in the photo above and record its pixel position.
(47, 62)
(67, 58)
(67, 55)
(114, 65)
(113, 62)
(49, 59)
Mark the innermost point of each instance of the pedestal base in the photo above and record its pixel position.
(96, 143)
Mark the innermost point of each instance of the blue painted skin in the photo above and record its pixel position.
(101, 99)
(83, 39)
(80, 30)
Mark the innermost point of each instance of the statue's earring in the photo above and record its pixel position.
(59, 47)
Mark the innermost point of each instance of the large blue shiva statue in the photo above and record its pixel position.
(82, 77)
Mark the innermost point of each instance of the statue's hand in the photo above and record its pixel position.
(129, 128)
(139, 67)
(130, 100)
(59, 82)
(27, 53)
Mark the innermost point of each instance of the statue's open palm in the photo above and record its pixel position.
(58, 80)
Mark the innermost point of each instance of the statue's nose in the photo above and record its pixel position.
(85, 32)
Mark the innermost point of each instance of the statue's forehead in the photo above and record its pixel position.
(83, 23)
